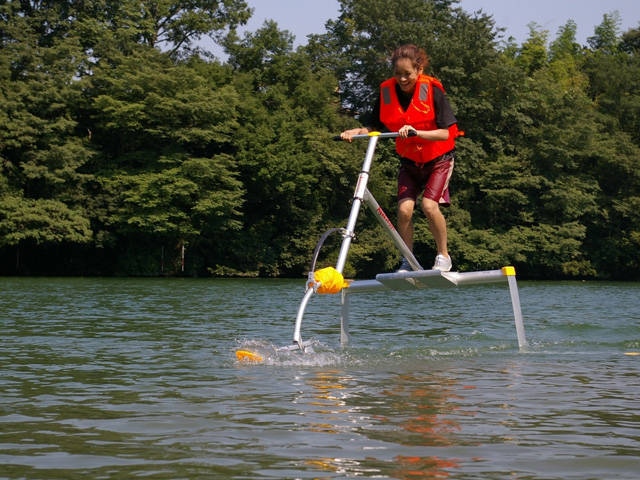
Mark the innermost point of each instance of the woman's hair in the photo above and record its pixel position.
(417, 56)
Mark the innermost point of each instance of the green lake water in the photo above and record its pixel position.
(137, 378)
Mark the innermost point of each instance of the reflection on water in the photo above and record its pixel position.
(138, 378)
(409, 409)
(327, 400)
(425, 405)
(417, 411)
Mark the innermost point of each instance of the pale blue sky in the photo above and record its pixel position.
(304, 17)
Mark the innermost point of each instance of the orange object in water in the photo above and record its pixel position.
(248, 356)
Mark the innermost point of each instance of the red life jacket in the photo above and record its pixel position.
(421, 115)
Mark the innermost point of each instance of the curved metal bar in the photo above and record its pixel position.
(297, 338)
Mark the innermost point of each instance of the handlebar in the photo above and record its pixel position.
(412, 133)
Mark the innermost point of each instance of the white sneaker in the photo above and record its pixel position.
(442, 263)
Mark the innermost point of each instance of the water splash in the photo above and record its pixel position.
(316, 354)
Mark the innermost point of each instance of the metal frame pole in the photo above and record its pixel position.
(386, 224)
(358, 197)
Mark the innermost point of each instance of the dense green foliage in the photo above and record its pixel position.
(126, 149)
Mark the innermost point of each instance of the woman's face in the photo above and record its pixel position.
(406, 74)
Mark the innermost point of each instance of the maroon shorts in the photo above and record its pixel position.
(431, 179)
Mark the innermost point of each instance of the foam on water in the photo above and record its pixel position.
(314, 355)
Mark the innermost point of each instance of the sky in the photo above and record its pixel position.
(305, 17)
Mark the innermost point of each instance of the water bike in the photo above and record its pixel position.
(329, 280)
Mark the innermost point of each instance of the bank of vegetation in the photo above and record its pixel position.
(128, 149)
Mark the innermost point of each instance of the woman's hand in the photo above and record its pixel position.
(404, 132)
(348, 134)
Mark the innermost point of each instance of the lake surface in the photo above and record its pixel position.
(137, 378)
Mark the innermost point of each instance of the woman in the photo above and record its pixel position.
(411, 101)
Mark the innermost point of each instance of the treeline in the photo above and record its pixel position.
(127, 149)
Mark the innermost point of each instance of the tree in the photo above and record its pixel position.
(191, 201)
(42, 147)
(120, 144)
(169, 25)
(149, 103)
(630, 42)
(26, 222)
(606, 35)
(179, 25)
(164, 175)
(533, 53)
(565, 44)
